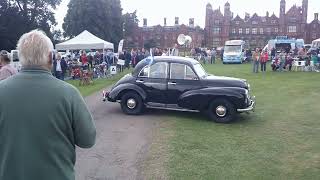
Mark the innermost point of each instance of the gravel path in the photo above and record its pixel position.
(122, 143)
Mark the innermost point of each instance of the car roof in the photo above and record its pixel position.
(172, 59)
(177, 59)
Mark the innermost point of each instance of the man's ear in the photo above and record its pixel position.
(50, 58)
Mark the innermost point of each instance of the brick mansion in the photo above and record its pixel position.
(220, 27)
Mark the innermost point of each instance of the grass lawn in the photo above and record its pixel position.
(281, 140)
(99, 84)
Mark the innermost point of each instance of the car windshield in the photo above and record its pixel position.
(232, 49)
(200, 71)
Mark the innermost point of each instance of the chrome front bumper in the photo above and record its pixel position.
(251, 107)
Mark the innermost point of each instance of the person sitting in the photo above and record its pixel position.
(289, 61)
(275, 64)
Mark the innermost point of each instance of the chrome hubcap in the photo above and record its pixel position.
(131, 103)
(221, 111)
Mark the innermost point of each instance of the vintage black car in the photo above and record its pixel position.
(177, 83)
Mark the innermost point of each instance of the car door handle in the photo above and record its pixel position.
(172, 83)
(139, 81)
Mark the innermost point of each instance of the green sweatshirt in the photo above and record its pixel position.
(41, 121)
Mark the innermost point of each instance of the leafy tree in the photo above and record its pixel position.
(130, 22)
(20, 16)
(151, 43)
(57, 36)
(103, 18)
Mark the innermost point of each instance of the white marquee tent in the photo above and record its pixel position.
(85, 40)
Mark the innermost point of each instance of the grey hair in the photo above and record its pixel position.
(34, 48)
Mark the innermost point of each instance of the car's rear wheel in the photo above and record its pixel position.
(131, 103)
(221, 111)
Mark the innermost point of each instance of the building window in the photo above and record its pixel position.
(292, 19)
(261, 30)
(268, 30)
(237, 22)
(292, 29)
(240, 31)
(314, 36)
(254, 30)
(216, 22)
(216, 30)
(254, 22)
(273, 21)
(233, 31)
(276, 30)
(247, 31)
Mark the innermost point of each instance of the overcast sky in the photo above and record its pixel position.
(156, 10)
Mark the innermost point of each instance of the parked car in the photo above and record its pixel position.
(177, 83)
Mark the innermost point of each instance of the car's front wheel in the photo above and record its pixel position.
(221, 111)
(132, 104)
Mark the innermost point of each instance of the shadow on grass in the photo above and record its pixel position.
(244, 118)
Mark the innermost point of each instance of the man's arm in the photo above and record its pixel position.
(83, 125)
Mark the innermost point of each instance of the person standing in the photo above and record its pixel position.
(59, 67)
(273, 53)
(134, 57)
(6, 69)
(213, 56)
(256, 60)
(97, 58)
(84, 60)
(282, 60)
(221, 54)
(127, 59)
(90, 60)
(175, 50)
(263, 61)
(42, 118)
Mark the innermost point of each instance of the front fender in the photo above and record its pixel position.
(116, 91)
(200, 98)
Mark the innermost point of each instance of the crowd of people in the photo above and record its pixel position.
(99, 62)
(285, 60)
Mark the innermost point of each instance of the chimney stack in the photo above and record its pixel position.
(176, 21)
(316, 16)
(247, 17)
(267, 14)
(145, 22)
(191, 22)
(165, 21)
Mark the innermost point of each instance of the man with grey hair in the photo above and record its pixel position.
(42, 119)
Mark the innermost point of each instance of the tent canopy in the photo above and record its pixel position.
(84, 40)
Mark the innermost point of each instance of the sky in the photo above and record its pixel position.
(156, 10)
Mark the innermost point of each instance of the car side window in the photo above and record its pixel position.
(144, 72)
(177, 71)
(190, 75)
(158, 70)
(181, 71)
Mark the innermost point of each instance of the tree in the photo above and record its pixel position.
(103, 18)
(130, 22)
(20, 16)
(151, 43)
